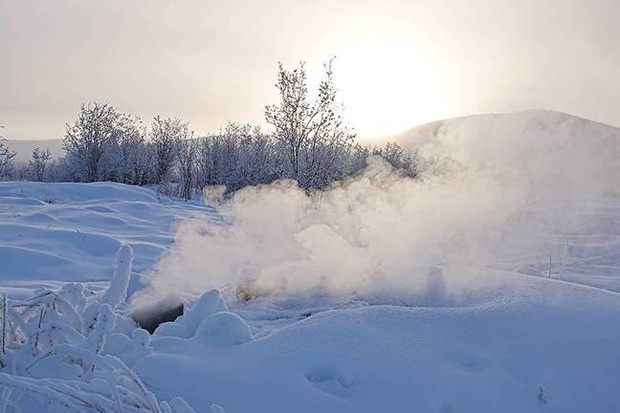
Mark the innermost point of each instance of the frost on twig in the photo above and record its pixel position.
(117, 292)
(55, 351)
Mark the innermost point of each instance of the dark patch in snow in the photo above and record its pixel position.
(248, 291)
(162, 312)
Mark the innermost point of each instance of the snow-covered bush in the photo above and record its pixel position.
(208, 321)
(72, 350)
(38, 163)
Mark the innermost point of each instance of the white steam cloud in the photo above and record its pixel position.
(382, 233)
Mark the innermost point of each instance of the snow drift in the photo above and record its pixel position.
(382, 234)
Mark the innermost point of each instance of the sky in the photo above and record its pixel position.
(399, 63)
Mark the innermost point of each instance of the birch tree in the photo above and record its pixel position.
(311, 132)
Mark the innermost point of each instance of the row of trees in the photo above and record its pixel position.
(308, 142)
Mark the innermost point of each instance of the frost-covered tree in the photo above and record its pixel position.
(97, 128)
(408, 162)
(166, 133)
(6, 156)
(186, 166)
(258, 160)
(219, 157)
(238, 156)
(311, 132)
(38, 163)
(59, 170)
(136, 154)
(309, 142)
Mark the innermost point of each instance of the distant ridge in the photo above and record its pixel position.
(524, 122)
(24, 148)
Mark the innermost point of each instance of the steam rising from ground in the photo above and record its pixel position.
(383, 233)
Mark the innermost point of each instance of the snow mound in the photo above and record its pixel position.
(61, 192)
(208, 317)
(224, 328)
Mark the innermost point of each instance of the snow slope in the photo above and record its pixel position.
(566, 169)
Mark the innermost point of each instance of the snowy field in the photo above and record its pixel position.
(59, 232)
(494, 290)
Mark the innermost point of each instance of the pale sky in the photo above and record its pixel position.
(398, 63)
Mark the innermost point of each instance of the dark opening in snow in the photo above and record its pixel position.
(151, 317)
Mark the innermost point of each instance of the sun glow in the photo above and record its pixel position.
(388, 86)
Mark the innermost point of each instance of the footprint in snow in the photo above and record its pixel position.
(468, 361)
(330, 381)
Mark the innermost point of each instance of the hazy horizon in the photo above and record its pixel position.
(398, 63)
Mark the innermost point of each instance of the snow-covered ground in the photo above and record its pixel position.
(500, 295)
(59, 232)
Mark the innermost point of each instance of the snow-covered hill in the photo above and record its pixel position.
(562, 172)
(489, 285)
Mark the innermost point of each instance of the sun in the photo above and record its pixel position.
(388, 86)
